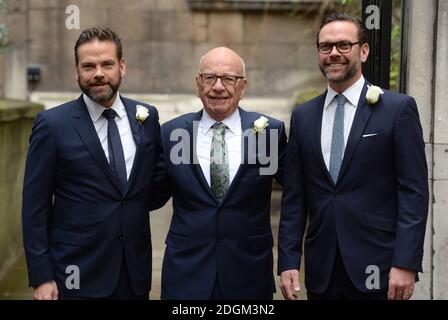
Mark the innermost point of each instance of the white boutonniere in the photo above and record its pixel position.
(373, 94)
(260, 124)
(141, 114)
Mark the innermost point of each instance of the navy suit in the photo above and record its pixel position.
(229, 241)
(376, 212)
(74, 210)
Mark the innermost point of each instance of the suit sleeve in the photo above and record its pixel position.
(279, 176)
(161, 184)
(294, 210)
(413, 195)
(37, 197)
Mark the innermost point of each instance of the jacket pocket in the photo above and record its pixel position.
(380, 223)
(69, 237)
(177, 241)
(259, 244)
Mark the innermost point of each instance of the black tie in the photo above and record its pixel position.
(116, 155)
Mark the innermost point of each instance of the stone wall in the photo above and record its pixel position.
(163, 41)
(427, 75)
(16, 119)
(440, 171)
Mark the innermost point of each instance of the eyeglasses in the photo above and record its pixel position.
(341, 46)
(210, 79)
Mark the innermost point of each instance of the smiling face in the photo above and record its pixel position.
(220, 100)
(342, 69)
(99, 71)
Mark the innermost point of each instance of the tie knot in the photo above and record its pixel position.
(109, 114)
(341, 99)
(219, 127)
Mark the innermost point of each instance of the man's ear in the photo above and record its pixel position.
(197, 85)
(122, 67)
(244, 88)
(364, 52)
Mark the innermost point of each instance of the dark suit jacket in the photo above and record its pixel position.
(376, 212)
(75, 213)
(229, 241)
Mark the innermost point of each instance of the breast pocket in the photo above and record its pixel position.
(374, 148)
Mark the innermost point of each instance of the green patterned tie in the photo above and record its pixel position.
(219, 162)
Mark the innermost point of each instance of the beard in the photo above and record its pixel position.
(100, 97)
(342, 77)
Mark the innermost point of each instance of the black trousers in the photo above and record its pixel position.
(216, 292)
(340, 286)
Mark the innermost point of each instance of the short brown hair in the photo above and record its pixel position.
(100, 34)
(342, 16)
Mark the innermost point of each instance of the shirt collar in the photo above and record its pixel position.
(233, 122)
(96, 110)
(352, 93)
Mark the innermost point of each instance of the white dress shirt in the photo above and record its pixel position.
(352, 95)
(232, 138)
(122, 121)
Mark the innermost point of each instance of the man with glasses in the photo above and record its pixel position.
(219, 245)
(357, 176)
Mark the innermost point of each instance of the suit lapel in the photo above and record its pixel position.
(362, 115)
(192, 126)
(135, 128)
(316, 136)
(84, 126)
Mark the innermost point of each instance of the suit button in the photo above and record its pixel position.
(124, 203)
(219, 240)
(120, 237)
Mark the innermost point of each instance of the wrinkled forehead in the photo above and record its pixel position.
(221, 63)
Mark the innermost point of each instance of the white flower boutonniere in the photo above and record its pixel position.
(260, 124)
(141, 114)
(373, 94)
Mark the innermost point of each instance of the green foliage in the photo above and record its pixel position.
(305, 95)
(395, 57)
(346, 2)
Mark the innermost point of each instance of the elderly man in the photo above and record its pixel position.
(219, 245)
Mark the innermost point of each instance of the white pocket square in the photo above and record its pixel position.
(370, 135)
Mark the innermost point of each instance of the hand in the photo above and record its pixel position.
(46, 291)
(289, 284)
(401, 284)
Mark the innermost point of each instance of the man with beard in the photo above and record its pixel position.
(87, 185)
(357, 176)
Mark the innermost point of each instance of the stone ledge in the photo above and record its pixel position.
(12, 110)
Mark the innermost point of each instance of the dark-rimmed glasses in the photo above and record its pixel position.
(341, 46)
(210, 79)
